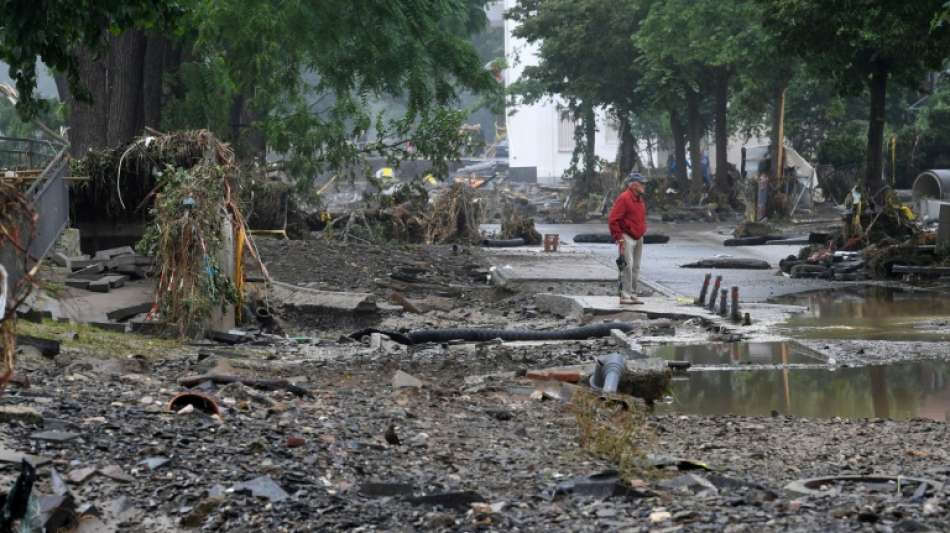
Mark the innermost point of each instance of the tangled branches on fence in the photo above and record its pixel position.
(17, 227)
(196, 209)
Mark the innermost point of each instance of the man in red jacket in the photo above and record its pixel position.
(628, 224)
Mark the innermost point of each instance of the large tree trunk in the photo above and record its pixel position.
(873, 180)
(590, 132)
(87, 121)
(694, 127)
(161, 57)
(126, 58)
(124, 82)
(679, 150)
(627, 156)
(246, 137)
(723, 181)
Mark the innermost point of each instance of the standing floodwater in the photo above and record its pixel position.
(870, 313)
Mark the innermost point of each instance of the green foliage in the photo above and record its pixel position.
(13, 125)
(55, 29)
(306, 74)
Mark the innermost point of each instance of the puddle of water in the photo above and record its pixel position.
(897, 391)
(738, 353)
(870, 313)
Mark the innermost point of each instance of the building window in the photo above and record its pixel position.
(565, 131)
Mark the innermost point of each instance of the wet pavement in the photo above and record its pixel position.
(688, 243)
(870, 313)
(900, 391)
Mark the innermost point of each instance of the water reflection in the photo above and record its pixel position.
(898, 391)
(871, 313)
(744, 353)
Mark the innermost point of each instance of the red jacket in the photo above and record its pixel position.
(629, 215)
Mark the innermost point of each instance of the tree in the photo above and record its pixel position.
(864, 43)
(697, 46)
(55, 31)
(587, 58)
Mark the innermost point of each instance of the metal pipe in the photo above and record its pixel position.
(722, 302)
(607, 372)
(715, 291)
(736, 317)
(702, 293)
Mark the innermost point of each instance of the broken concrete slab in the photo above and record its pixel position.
(307, 300)
(628, 346)
(576, 306)
(47, 347)
(105, 255)
(60, 259)
(78, 283)
(127, 312)
(86, 267)
(20, 413)
(518, 269)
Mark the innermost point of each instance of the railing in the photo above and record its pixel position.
(48, 193)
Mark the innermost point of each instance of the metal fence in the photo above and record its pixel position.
(48, 192)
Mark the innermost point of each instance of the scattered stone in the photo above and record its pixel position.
(54, 436)
(187, 410)
(295, 441)
(459, 501)
(11, 456)
(262, 487)
(125, 313)
(404, 380)
(199, 513)
(386, 490)
(80, 475)
(115, 473)
(660, 516)
(154, 463)
(20, 413)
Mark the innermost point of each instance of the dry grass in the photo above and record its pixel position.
(614, 429)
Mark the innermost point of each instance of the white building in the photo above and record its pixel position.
(539, 135)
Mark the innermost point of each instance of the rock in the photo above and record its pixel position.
(660, 516)
(199, 513)
(80, 475)
(11, 456)
(154, 463)
(262, 487)
(54, 436)
(459, 501)
(404, 380)
(20, 413)
(115, 473)
(295, 441)
(187, 410)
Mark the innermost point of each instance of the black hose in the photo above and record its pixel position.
(606, 238)
(487, 334)
(503, 243)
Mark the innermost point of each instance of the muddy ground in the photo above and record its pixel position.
(471, 447)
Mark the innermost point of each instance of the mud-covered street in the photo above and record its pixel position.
(375, 434)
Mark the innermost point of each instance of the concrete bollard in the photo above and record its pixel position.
(702, 294)
(722, 303)
(715, 292)
(747, 321)
(736, 317)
